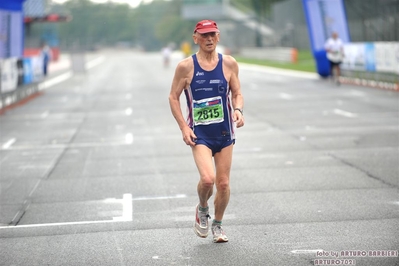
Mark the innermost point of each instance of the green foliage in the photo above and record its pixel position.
(94, 24)
(262, 8)
(149, 26)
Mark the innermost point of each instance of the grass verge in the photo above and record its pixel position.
(305, 62)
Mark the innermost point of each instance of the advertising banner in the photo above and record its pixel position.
(9, 75)
(387, 57)
(37, 68)
(33, 69)
(372, 57)
(11, 34)
(324, 17)
(28, 70)
(355, 57)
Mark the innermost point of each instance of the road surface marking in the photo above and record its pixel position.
(45, 114)
(54, 81)
(128, 111)
(9, 143)
(178, 196)
(286, 96)
(58, 79)
(94, 62)
(344, 113)
(129, 138)
(305, 251)
(127, 212)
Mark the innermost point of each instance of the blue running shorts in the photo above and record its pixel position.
(215, 145)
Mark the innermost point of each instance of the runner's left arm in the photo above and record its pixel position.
(236, 96)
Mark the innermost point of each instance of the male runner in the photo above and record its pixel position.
(335, 54)
(212, 89)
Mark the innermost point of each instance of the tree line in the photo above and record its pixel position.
(149, 26)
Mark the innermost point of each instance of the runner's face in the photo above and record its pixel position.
(207, 41)
(335, 35)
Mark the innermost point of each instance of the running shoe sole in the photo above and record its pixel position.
(220, 239)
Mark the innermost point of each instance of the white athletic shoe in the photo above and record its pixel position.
(218, 234)
(201, 226)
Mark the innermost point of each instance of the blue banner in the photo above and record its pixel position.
(28, 70)
(370, 57)
(324, 17)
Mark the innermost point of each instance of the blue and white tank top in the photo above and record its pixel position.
(209, 104)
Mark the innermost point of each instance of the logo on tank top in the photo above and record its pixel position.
(200, 81)
(215, 81)
(199, 73)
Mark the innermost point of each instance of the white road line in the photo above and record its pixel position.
(344, 113)
(94, 62)
(129, 138)
(286, 96)
(8, 143)
(305, 251)
(127, 212)
(178, 196)
(128, 111)
(45, 114)
(58, 224)
(58, 79)
(54, 81)
(70, 145)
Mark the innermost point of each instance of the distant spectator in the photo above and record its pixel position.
(166, 53)
(46, 55)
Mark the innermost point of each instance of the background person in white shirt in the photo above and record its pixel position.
(335, 53)
(166, 53)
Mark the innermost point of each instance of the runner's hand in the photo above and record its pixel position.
(189, 136)
(238, 118)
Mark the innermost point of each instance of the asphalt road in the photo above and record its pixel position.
(94, 172)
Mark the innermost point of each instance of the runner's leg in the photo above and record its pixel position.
(203, 160)
(223, 161)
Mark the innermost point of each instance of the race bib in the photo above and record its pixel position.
(208, 111)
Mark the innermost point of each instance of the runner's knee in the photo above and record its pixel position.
(207, 181)
(223, 185)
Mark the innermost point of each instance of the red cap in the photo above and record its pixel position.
(205, 26)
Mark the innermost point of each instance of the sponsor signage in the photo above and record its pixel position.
(372, 57)
(9, 75)
(11, 34)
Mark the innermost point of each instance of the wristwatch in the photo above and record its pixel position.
(240, 110)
